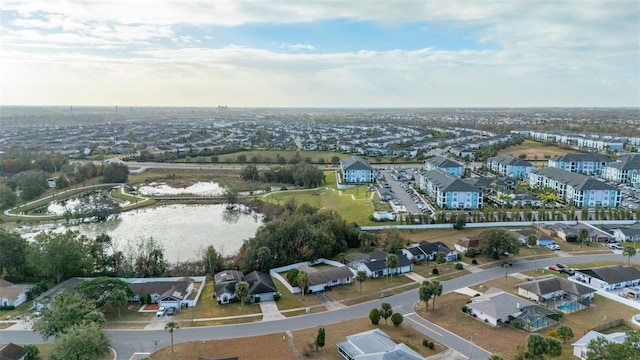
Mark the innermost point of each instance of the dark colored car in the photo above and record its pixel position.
(171, 311)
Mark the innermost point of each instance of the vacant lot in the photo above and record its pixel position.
(534, 150)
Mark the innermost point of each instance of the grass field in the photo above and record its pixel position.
(535, 151)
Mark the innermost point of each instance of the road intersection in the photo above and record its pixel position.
(128, 342)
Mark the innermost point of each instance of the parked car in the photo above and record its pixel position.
(561, 266)
(161, 311)
(553, 247)
(553, 268)
(567, 271)
(616, 247)
(171, 311)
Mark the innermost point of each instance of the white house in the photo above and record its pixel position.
(580, 347)
(12, 294)
(376, 266)
(497, 307)
(321, 279)
(375, 345)
(608, 277)
(428, 251)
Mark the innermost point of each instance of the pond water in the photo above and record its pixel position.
(199, 188)
(181, 229)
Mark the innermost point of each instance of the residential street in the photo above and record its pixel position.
(128, 342)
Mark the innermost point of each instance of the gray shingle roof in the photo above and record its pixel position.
(448, 183)
(612, 274)
(324, 276)
(575, 180)
(376, 345)
(355, 163)
(581, 157)
(553, 284)
(443, 162)
(509, 160)
(630, 162)
(499, 304)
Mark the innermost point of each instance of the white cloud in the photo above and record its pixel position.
(549, 53)
(306, 46)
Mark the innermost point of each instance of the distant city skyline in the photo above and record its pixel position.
(351, 54)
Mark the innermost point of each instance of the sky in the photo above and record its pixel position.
(330, 53)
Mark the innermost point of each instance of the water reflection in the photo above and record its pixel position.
(183, 230)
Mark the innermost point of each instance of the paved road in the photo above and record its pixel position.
(128, 342)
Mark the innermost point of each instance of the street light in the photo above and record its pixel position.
(471, 345)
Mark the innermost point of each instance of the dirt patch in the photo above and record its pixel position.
(149, 307)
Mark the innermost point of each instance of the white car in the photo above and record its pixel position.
(553, 247)
(616, 247)
(161, 311)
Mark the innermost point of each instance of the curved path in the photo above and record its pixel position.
(128, 342)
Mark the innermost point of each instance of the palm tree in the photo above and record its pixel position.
(583, 234)
(119, 298)
(303, 282)
(361, 277)
(629, 251)
(242, 291)
(425, 293)
(170, 327)
(391, 262)
(533, 241)
(436, 290)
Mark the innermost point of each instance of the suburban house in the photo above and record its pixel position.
(593, 234)
(580, 347)
(427, 251)
(375, 345)
(497, 307)
(620, 171)
(375, 265)
(449, 192)
(609, 277)
(261, 286)
(355, 169)
(576, 189)
(627, 233)
(507, 165)
(320, 279)
(554, 290)
(168, 291)
(587, 164)
(12, 351)
(445, 165)
(12, 294)
(463, 244)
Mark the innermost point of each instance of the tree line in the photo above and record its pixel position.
(303, 175)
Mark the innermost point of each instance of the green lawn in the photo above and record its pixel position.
(293, 301)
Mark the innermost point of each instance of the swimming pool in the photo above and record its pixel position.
(569, 306)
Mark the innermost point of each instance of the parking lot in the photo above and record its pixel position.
(399, 183)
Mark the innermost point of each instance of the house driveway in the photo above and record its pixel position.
(415, 277)
(270, 311)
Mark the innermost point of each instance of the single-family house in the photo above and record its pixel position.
(593, 234)
(507, 165)
(554, 290)
(261, 286)
(167, 292)
(375, 345)
(581, 346)
(12, 351)
(626, 233)
(583, 163)
(428, 250)
(376, 265)
(13, 294)
(465, 243)
(608, 277)
(355, 169)
(320, 279)
(445, 165)
(497, 307)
